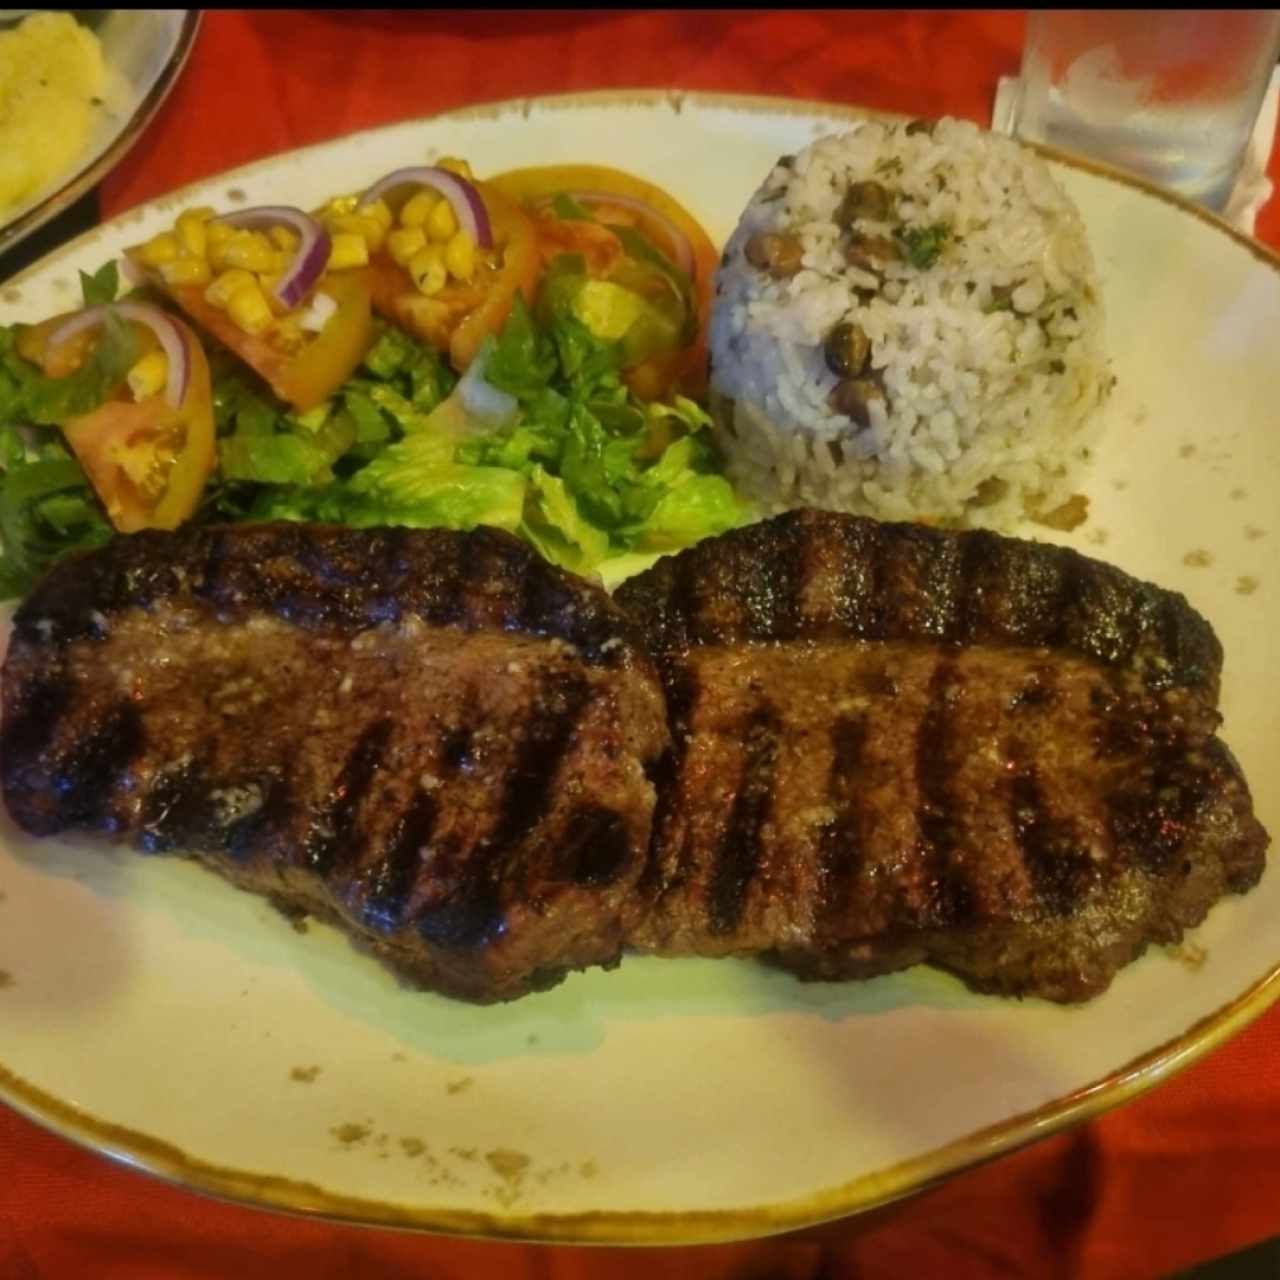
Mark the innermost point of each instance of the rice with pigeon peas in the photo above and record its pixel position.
(908, 325)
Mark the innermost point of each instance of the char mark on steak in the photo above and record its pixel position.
(434, 739)
(993, 755)
(845, 745)
(809, 575)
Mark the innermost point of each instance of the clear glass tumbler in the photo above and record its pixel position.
(1171, 95)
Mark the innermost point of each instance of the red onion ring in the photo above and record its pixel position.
(308, 262)
(464, 199)
(169, 333)
(133, 274)
(679, 241)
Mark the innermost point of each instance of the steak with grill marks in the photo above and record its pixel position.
(894, 744)
(435, 740)
(862, 746)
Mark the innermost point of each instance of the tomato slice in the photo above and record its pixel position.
(683, 371)
(459, 318)
(311, 375)
(147, 461)
(55, 362)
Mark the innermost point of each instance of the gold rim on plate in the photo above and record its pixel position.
(869, 1191)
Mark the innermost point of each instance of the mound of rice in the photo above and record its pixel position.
(908, 325)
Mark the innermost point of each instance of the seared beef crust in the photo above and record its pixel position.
(437, 740)
(895, 744)
(843, 745)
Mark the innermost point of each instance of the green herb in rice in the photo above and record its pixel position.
(922, 245)
(985, 370)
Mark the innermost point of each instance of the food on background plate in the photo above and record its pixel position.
(908, 324)
(862, 746)
(52, 81)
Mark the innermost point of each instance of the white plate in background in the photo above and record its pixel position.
(144, 51)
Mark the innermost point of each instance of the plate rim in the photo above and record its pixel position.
(170, 1164)
(84, 180)
(758, 103)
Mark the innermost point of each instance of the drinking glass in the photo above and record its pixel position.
(1171, 95)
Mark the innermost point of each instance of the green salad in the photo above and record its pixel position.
(540, 437)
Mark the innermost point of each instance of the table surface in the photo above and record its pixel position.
(1188, 1173)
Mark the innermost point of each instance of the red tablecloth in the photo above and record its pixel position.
(1188, 1173)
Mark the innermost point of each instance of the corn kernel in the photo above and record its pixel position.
(417, 208)
(284, 238)
(442, 223)
(249, 309)
(342, 204)
(460, 256)
(198, 213)
(404, 243)
(159, 249)
(379, 212)
(455, 164)
(248, 249)
(148, 377)
(219, 293)
(357, 224)
(193, 237)
(185, 271)
(428, 270)
(218, 233)
(348, 251)
(267, 282)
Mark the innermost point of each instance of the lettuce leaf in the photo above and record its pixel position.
(419, 476)
(28, 396)
(524, 360)
(47, 510)
(557, 528)
(580, 467)
(418, 373)
(694, 508)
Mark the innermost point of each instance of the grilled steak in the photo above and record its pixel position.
(436, 740)
(862, 746)
(894, 744)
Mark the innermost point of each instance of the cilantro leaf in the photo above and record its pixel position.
(922, 245)
(102, 286)
(27, 395)
(524, 360)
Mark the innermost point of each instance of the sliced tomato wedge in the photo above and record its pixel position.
(307, 377)
(147, 461)
(683, 371)
(459, 318)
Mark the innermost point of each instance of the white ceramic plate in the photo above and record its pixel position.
(144, 51)
(153, 1012)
